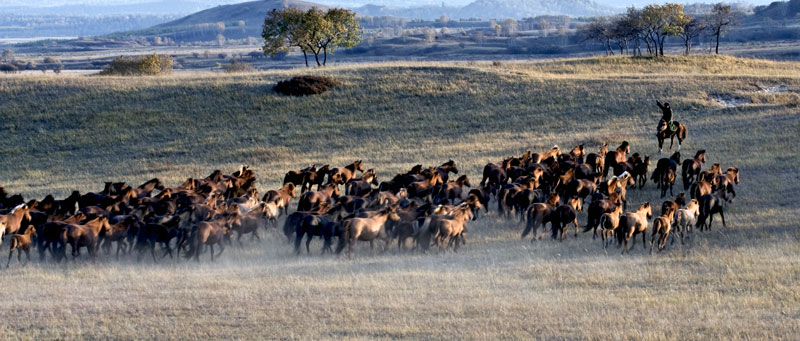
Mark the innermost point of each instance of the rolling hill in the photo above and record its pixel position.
(69, 132)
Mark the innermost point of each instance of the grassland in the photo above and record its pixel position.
(63, 133)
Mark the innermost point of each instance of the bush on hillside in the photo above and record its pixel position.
(238, 66)
(139, 66)
(8, 68)
(305, 85)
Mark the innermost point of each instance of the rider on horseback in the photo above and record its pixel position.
(666, 118)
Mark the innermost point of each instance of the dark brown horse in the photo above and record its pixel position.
(453, 190)
(692, 168)
(597, 160)
(445, 169)
(681, 132)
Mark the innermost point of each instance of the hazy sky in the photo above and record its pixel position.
(345, 3)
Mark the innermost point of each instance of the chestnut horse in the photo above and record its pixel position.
(311, 199)
(10, 223)
(20, 243)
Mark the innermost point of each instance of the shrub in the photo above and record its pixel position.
(8, 68)
(138, 66)
(51, 60)
(238, 66)
(306, 85)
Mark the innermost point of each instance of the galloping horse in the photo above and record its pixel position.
(681, 133)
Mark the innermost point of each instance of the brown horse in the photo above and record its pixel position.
(445, 169)
(20, 243)
(452, 228)
(614, 158)
(453, 190)
(207, 233)
(311, 199)
(711, 204)
(299, 177)
(10, 223)
(87, 234)
(667, 180)
(662, 226)
(367, 229)
(726, 181)
(315, 177)
(596, 210)
(363, 185)
(639, 171)
(539, 214)
(423, 189)
(282, 197)
(692, 168)
(564, 215)
(597, 160)
(680, 133)
(609, 222)
(346, 173)
(633, 223)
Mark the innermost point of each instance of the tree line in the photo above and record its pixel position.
(653, 24)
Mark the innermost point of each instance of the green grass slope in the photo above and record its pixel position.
(63, 133)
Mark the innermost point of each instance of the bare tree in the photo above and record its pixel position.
(719, 21)
(692, 29)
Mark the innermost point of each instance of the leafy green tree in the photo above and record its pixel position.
(660, 22)
(312, 31)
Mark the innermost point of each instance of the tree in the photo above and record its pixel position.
(660, 22)
(8, 56)
(430, 35)
(719, 21)
(497, 30)
(544, 25)
(599, 30)
(313, 31)
(510, 26)
(692, 29)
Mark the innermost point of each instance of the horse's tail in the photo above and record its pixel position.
(685, 175)
(601, 222)
(193, 246)
(682, 133)
(529, 225)
(289, 227)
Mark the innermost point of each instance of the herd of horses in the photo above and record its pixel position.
(423, 208)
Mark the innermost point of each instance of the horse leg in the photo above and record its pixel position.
(28, 255)
(10, 252)
(308, 243)
(221, 248)
(660, 144)
(723, 219)
(211, 248)
(671, 141)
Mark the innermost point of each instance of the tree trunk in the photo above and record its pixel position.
(305, 55)
(716, 49)
(325, 56)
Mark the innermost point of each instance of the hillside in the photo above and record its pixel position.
(68, 132)
(237, 21)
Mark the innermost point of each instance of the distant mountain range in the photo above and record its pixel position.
(495, 9)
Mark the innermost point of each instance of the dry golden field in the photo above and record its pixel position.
(74, 132)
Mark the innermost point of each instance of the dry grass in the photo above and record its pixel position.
(736, 283)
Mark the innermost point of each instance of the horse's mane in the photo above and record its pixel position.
(20, 206)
